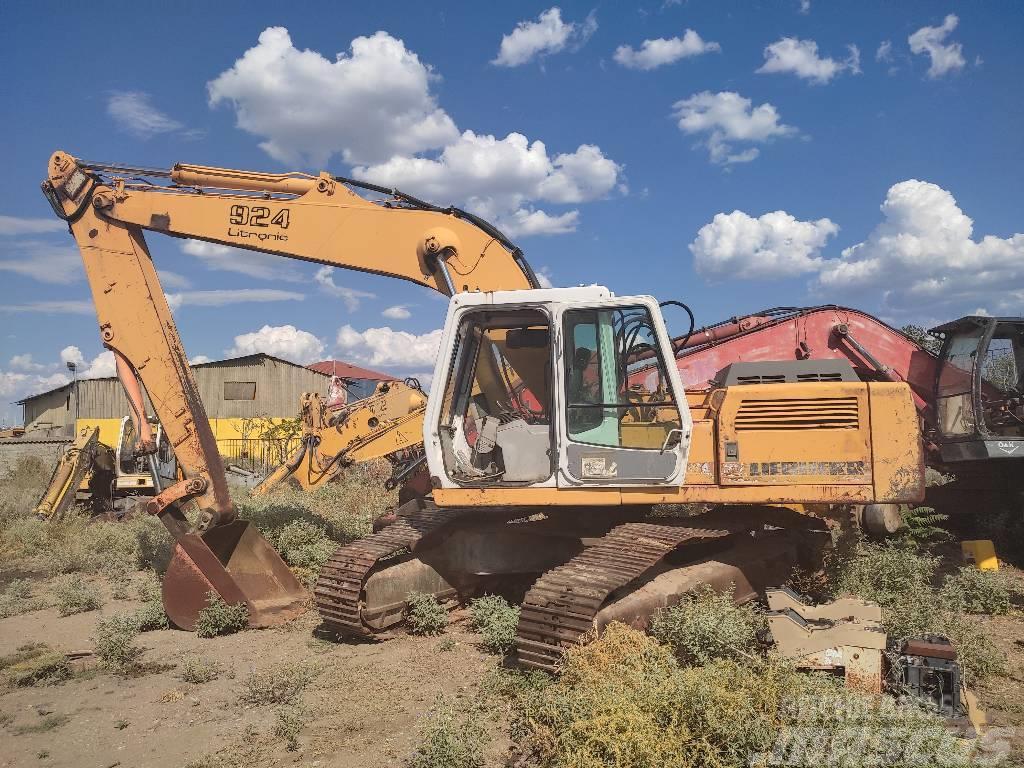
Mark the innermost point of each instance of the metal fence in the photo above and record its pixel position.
(257, 455)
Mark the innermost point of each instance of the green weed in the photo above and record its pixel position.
(449, 738)
(74, 595)
(707, 625)
(282, 684)
(426, 616)
(114, 642)
(496, 621)
(219, 618)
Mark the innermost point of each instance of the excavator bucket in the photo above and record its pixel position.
(237, 563)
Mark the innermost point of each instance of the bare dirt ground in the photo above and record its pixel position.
(362, 707)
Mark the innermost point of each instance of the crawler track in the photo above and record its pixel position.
(338, 591)
(560, 607)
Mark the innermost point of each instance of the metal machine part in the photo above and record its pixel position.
(388, 424)
(108, 479)
(966, 385)
(845, 635)
(929, 671)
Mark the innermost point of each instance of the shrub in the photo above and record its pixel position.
(449, 739)
(151, 616)
(197, 670)
(120, 583)
(219, 618)
(289, 722)
(114, 642)
(496, 620)
(979, 657)
(282, 684)
(35, 664)
(970, 590)
(899, 580)
(148, 588)
(305, 545)
(708, 625)
(73, 595)
(426, 616)
(17, 599)
(624, 700)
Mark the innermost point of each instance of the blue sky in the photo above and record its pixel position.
(777, 153)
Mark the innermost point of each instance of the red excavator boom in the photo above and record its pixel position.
(875, 350)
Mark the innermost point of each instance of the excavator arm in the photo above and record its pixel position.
(312, 218)
(387, 423)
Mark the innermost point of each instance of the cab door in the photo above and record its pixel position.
(623, 417)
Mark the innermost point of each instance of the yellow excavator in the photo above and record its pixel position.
(387, 424)
(109, 480)
(557, 420)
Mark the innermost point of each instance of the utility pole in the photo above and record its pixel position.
(73, 367)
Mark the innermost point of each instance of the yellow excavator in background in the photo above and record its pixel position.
(557, 420)
(388, 423)
(109, 480)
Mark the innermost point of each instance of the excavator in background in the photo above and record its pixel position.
(387, 424)
(965, 378)
(109, 480)
(558, 420)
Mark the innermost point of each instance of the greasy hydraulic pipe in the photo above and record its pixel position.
(842, 330)
(252, 181)
(133, 391)
(715, 333)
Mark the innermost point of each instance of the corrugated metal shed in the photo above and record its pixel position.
(269, 385)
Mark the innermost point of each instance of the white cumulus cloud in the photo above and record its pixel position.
(100, 367)
(25, 363)
(367, 104)
(773, 245)
(397, 312)
(547, 35)
(496, 178)
(662, 51)
(324, 277)
(727, 118)
(923, 252)
(800, 57)
(389, 348)
(930, 41)
(284, 341)
(375, 107)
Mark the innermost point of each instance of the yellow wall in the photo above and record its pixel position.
(223, 429)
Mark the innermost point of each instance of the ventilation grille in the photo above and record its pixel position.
(797, 414)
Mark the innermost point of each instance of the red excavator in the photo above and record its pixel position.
(965, 376)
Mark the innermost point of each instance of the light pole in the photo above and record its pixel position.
(73, 367)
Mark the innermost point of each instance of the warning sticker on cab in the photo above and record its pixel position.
(599, 466)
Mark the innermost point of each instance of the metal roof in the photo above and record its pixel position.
(348, 371)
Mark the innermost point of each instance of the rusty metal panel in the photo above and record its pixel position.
(898, 456)
(797, 434)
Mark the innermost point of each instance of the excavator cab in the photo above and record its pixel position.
(979, 389)
(560, 388)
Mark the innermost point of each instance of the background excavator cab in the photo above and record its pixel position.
(556, 388)
(979, 392)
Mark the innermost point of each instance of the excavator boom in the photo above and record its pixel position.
(313, 218)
